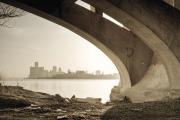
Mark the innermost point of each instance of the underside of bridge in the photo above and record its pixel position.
(146, 51)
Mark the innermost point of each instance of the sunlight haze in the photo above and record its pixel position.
(32, 38)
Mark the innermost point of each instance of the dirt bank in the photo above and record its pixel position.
(20, 104)
(164, 110)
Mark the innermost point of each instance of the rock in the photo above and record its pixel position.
(59, 98)
(60, 110)
(12, 102)
(117, 97)
(42, 110)
(71, 117)
(73, 97)
(88, 100)
(65, 117)
(127, 99)
(115, 94)
(67, 100)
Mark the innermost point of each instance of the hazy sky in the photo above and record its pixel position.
(35, 39)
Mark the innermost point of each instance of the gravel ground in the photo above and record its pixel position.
(17, 103)
(164, 110)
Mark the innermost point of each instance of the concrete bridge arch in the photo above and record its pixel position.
(136, 53)
(154, 28)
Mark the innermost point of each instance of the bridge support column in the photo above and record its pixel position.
(153, 87)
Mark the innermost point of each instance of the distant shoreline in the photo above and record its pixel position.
(78, 76)
(70, 79)
(26, 79)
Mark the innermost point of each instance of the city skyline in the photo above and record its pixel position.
(60, 69)
(39, 72)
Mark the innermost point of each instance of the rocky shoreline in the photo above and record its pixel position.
(17, 103)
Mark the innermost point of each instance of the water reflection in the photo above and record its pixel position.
(68, 88)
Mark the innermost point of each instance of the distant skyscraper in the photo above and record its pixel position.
(36, 64)
(54, 69)
(40, 72)
(98, 72)
(60, 70)
(36, 71)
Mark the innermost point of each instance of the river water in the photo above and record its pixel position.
(68, 88)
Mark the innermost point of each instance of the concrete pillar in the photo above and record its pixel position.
(177, 4)
(170, 2)
(96, 10)
(151, 28)
(174, 3)
(153, 86)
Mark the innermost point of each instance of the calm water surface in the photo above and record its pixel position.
(68, 88)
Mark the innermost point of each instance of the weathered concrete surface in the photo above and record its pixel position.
(139, 18)
(161, 18)
(152, 87)
(177, 4)
(170, 2)
(163, 21)
(124, 44)
(174, 3)
(154, 28)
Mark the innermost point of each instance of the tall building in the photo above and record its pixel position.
(37, 72)
(40, 72)
(98, 72)
(36, 64)
(54, 69)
